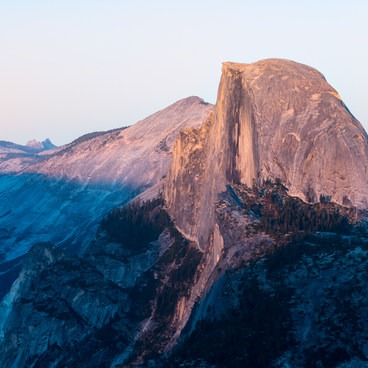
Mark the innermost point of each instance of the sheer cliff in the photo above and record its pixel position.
(274, 119)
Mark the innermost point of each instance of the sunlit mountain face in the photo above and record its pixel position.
(232, 235)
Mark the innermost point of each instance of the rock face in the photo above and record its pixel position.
(90, 311)
(37, 301)
(273, 119)
(127, 300)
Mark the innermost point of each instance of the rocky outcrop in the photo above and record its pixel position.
(141, 285)
(67, 306)
(273, 119)
(292, 308)
(41, 146)
(117, 303)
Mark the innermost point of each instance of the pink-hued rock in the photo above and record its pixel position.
(138, 155)
(273, 119)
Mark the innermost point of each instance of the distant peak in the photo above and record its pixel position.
(263, 62)
(34, 144)
(47, 144)
(44, 145)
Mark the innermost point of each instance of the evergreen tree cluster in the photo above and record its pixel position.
(251, 335)
(137, 224)
(281, 214)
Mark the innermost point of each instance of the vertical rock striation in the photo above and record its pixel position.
(273, 119)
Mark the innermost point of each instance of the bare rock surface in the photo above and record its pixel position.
(274, 119)
(138, 155)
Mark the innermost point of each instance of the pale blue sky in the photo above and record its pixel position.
(71, 67)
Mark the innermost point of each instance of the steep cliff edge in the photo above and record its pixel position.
(273, 119)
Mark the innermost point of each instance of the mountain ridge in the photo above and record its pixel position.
(62, 197)
(95, 151)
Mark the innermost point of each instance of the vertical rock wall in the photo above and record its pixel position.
(273, 119)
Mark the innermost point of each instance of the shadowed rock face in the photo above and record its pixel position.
(273, 119)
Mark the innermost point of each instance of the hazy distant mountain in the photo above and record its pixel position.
(32, 147)
(14, 158)
(246, 246)
(41, 146)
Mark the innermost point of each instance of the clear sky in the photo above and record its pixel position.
(75, 66)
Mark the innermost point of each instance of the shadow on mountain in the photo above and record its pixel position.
(36, 208)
